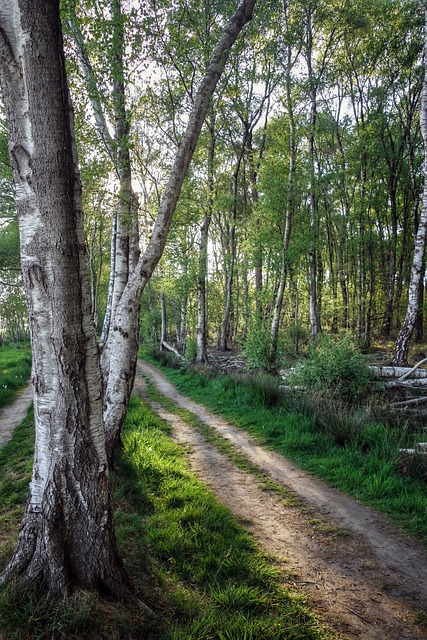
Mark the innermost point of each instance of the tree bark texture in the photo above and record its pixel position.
(405, 334)
(67, 534)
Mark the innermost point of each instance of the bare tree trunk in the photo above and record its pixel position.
(163, 333)
(312, 258)
(182, 333)
(125, 234)
(201, 355)
(67, 534)
(226, 332)
(405, 334)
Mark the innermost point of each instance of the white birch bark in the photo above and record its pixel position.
(67, 535)
(405, 334)
(125, 233)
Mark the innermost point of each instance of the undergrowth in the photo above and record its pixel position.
(347, 444)
(189, 561)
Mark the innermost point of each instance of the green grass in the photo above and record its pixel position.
(188, 559)
(15, 367)
(356, 454)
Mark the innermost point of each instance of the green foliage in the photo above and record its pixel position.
(149, 330)
(190, 349)
(336, 367)
(257, 349)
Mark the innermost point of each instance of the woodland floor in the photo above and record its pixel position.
(363, 577)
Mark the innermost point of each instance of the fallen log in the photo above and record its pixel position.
(169, 347)
(414, 370)
(400, 373)
(392, 384)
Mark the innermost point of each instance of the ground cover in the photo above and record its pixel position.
(190, 562)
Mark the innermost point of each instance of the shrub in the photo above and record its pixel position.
(190, 349)
(334, 366)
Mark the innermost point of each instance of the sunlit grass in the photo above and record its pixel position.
(188, 559)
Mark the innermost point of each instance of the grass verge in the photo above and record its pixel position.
(189, 560)
(15, 367)
(358, 456)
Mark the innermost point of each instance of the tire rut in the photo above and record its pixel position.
(367, 584)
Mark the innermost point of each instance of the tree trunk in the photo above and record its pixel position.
(405, 334)
(67, 535)
(163, 333)
(275, 322)
(202, 331)
(312, 257)
(226, 332)
(201, 355)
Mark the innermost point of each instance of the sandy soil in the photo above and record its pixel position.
(367, 584)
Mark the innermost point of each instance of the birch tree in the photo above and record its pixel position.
(405, 334)
(67, 534)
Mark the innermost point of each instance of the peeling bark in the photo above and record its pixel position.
(67, 534)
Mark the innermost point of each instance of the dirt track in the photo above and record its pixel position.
(11, 416)
(368, 584)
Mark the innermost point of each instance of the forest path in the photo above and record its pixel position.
(12, 415)
(368, 583)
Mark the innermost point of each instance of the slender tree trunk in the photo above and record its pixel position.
(404, 338)
(163, 333)
(419, 324)
(258, 249)
(67, 534)
(392, 263)
(361, 280)
(182, 333)
(201, 355)
(226, 332)
(126, 233)
(275, 322)
(313, 297)
(226, 323)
